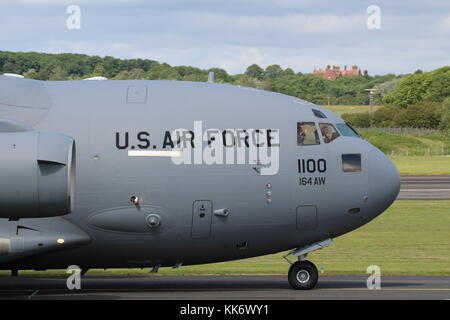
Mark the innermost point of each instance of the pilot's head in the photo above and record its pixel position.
(303, 128)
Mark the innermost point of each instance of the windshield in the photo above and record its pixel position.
(347, 131)
(329, 132)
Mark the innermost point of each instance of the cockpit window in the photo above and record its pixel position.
(307, 134)
(351, 162)
(329, 132)
(347, 131)
(319, 114)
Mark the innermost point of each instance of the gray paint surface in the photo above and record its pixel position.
(105, 230)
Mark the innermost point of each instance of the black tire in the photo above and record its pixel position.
(303, 275)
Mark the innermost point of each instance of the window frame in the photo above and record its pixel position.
(319, 114)
(359, 169)
(335, 130)
(356, 134)
(317, 136)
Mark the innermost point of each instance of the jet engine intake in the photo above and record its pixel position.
(37, 171)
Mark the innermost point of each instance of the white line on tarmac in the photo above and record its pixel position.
(424, 190)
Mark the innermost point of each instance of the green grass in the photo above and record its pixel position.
(439, 138)
(388, 143)
(340, 110)
(411, 238)
(408, 144)
(414, 154)
(422, 165)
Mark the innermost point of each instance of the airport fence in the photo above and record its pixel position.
(428, 152)
(415, 131)
(439, 149)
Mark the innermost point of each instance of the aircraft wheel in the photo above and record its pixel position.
(303, 275)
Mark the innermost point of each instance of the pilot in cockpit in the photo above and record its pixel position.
(307, 134)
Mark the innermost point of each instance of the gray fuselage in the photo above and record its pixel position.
(204, 212)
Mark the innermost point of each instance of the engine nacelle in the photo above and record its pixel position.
(37, 172)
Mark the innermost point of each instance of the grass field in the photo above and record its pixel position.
(414, 154)
(436, 144)
(412, 237)
(422, 165)
(340, 110)
(409, 144)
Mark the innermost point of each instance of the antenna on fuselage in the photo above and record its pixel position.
(211, 77)
(14, 75)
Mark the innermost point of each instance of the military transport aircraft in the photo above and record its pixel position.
(136, 174)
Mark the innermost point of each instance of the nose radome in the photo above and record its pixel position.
(384, 182)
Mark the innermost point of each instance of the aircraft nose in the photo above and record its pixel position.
(384, 182)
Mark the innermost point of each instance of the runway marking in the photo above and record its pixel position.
(386, 289)
(424, 190)
(186, 290)
(33, 294)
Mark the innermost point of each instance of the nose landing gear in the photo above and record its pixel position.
(303, 275)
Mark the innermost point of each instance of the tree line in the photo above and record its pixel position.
(419, 100)
(67, 66)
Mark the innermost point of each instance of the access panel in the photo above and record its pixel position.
(201, 219)
(306, 217)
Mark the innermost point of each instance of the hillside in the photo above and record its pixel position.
(67, 66)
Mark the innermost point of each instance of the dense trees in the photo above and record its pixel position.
(431, 115)
(71, 66)
(431, 86)
(420, 99)
(443, 113)
(418, 115)
(383, 117)
(44, 66)
(274, 71)
(255, 71)
(358, 120)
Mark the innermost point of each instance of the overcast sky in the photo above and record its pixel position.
(232, 34)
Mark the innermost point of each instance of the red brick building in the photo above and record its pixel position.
(333, 73)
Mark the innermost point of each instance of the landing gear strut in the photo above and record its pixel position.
(303, 275)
